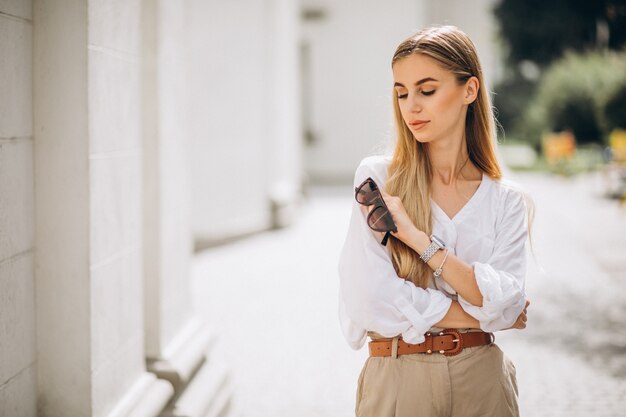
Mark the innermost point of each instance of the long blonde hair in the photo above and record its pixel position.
(409, 173)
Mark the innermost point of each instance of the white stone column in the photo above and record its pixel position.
(88, 168)
(178, 345)
(18, 371)
(231, 114)
(285, 136)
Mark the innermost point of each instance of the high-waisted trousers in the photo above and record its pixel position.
(478, 382)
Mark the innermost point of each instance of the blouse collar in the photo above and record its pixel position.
(483, 188)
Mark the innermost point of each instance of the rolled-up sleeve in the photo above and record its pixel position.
(371, 296)
(501, 279)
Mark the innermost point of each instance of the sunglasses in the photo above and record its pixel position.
(379, 219)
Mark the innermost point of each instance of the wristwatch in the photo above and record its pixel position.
(435, 245)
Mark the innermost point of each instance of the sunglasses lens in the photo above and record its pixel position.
(365, 194)
(380, 220)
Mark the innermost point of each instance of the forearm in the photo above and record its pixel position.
(458, 274)
(457, 318)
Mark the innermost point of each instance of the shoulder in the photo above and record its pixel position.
(375, 162)
(374, 166)
(511, 198)
(510, 190)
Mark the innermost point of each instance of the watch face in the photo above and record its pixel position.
(438, 241)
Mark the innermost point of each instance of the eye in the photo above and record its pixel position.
(428, 93)
(401, 93)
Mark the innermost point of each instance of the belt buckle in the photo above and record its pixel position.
(457, 339)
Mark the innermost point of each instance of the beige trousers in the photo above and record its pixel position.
(479, 381)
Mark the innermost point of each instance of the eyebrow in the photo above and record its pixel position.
(422, 81)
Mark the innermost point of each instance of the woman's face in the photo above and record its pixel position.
(432, 103)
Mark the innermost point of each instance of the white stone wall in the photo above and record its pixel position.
(17, 289)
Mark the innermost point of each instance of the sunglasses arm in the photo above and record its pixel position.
(385, 239)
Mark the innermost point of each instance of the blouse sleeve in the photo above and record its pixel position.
(501, 279)
(371, 296)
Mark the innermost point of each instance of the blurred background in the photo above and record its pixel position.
(175, 188)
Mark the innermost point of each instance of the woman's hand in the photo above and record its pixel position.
(406, 228)
(520, 323)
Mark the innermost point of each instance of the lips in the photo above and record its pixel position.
(418, 124)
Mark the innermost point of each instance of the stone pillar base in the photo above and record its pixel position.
(209, 394)
(201, 383)
(285, 200)
(148, 397)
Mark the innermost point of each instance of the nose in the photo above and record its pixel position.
(416, 106)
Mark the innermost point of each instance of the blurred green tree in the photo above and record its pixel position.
(541, 31)
(580, 93)
(535, 33)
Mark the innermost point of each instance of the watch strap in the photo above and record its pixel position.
(431, 249)
(429, 252)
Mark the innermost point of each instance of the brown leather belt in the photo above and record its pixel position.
(448, 342)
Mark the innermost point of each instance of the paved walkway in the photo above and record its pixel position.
(272, 300)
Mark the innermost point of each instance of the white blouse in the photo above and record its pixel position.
(489, 233)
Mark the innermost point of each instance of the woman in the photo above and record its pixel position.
(453, 271)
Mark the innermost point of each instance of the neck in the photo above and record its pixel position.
(449, 161)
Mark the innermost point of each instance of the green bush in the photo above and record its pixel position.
(579, 115)
(615, 109)
(572, 94)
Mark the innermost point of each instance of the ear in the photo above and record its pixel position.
(471, 90)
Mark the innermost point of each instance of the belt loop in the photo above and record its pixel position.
(394, 347)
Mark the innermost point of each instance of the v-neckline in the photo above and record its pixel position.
(472, 200)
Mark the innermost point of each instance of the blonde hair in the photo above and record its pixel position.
(409, 173)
